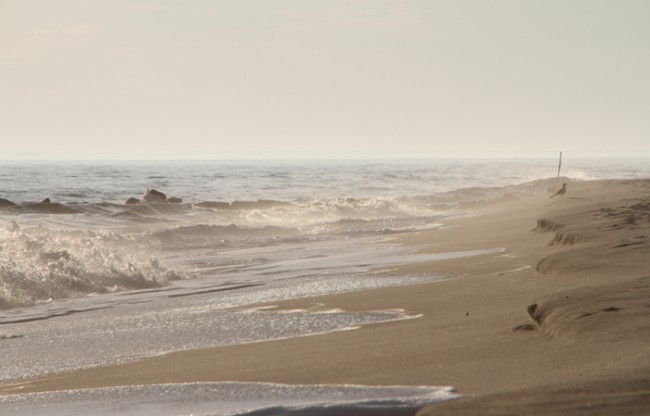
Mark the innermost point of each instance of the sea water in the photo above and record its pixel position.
(88, 280)
(234, 216)
(230, 399)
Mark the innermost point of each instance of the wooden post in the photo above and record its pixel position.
(559, 166)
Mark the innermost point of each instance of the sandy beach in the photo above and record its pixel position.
(556, 323)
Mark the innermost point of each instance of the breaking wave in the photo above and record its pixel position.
(39, 264)
(52, 250)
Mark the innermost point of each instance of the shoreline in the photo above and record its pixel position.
(583, 260)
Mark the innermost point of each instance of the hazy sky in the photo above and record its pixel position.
(324, 79)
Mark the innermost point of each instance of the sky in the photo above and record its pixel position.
(341, 79)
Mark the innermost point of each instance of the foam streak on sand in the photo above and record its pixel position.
(223, 399)
(121, 328)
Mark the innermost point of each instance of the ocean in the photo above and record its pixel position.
(87, 279)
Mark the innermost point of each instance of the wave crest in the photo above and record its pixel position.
(214, 235)
(39, 264)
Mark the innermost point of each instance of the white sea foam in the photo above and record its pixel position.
(121, 327)
(230, 399)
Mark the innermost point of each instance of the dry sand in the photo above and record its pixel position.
(558, 323)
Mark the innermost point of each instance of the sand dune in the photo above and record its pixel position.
(587, 314)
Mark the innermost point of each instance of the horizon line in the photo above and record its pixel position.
(164, 158)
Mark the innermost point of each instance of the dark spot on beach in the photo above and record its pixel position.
(641, 206)
(628, 243)
(611, 309)
(3, 337)
(586, 314)
(524, 327)
(6, 203)
(531, 310)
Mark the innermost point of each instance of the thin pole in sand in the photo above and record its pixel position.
(559, 166)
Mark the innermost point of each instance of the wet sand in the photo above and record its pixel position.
(558, 323)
